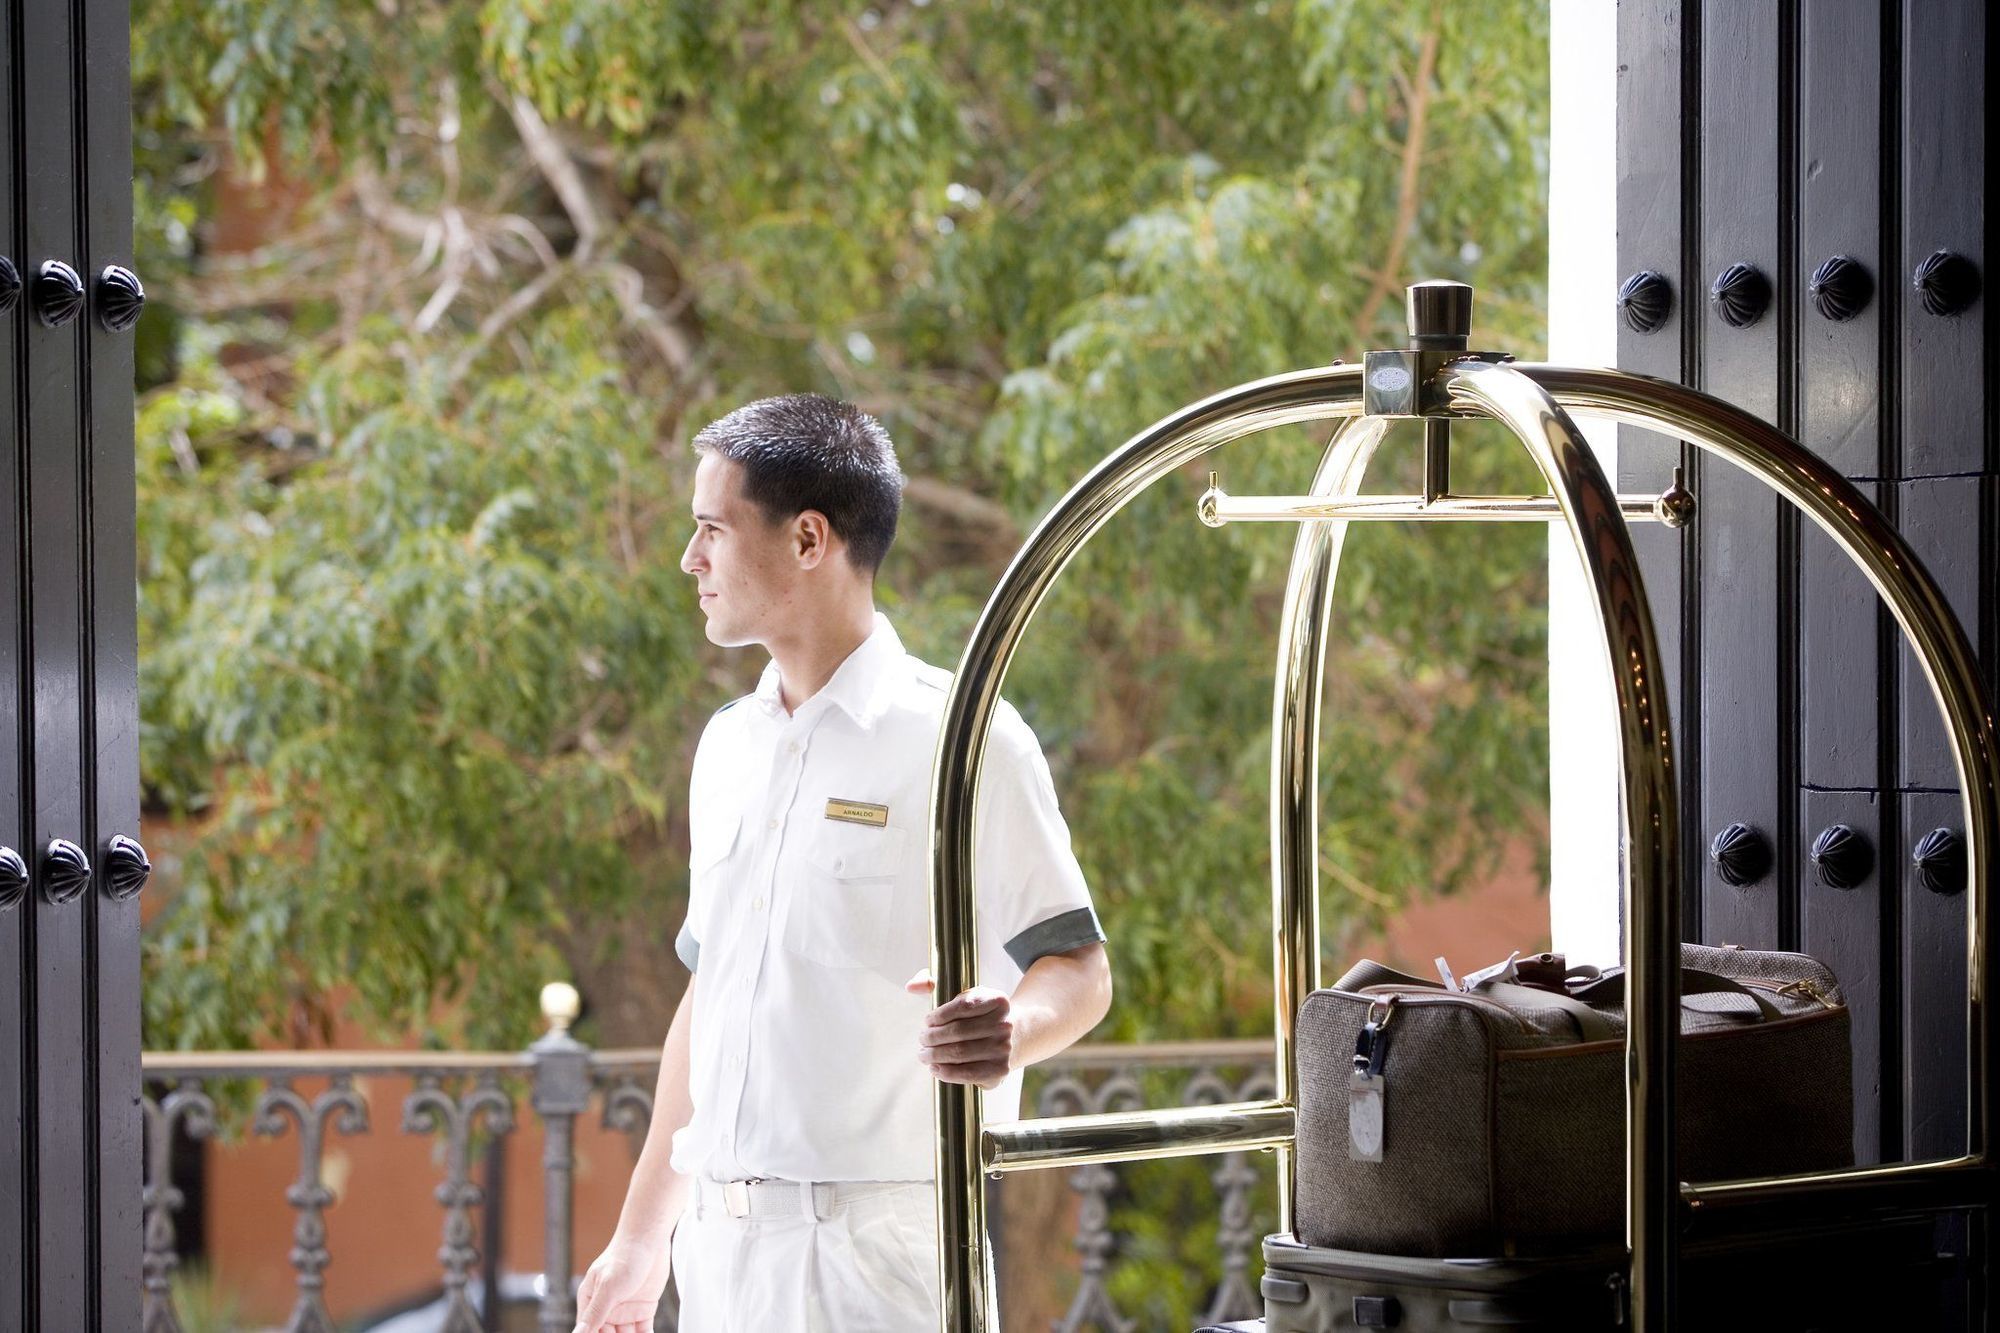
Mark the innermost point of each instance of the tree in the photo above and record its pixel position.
(413, 474)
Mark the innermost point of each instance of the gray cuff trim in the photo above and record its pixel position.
(688, 947)
(1059, 934)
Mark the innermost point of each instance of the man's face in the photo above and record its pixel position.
(744, 566)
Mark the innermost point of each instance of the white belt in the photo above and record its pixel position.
(799, 1198)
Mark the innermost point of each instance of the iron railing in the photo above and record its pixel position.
(471, 1098)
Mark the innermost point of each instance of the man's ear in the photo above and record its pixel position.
(812, 538)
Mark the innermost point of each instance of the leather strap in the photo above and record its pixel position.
(1591, 1024)
(1610, 988)
(1368, 973)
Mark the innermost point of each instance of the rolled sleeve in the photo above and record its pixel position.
(1059, 934)
(1031, 892)
(688, 947)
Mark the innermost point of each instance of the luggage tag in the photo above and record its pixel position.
(1506, 970)
(1367, 1085)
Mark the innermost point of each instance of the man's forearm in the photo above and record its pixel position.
(1059, 998)
(654, 1199)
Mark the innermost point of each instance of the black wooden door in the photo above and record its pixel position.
(1782, 136)
(69, 784)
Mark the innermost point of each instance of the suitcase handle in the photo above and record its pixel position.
(1611, 987)
(1608, 987)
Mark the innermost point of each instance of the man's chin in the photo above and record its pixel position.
(723, 635)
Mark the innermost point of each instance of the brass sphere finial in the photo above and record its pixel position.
(1205, 508)
(1676, 505)
(560, 1005)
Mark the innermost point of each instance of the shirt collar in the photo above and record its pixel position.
(857, 684)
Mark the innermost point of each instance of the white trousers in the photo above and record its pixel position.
(868, 1266)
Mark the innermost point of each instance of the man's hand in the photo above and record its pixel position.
(969, 1039)
(621, 1291)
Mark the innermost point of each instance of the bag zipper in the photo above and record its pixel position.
(1803, 986)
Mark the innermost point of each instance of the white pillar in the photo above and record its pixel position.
(1583, 236)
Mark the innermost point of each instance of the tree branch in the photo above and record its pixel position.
(1418, 102)
(965, 506)
(553, 160)
(627, 284)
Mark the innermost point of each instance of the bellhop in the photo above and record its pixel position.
(787, 1177)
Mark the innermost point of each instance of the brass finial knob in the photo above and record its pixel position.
(560, 1005)
(1676, 505)
(1207, 508)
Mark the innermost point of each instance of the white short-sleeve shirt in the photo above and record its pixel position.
(809, 908)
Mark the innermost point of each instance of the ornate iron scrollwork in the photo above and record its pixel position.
(120, 297)
(1842, 857)
(1946, 282)
(65, 870)
(340, 1108)
(1940, 860)
(10, 285)
(1840, 288)
(126, 867)
(58, 293)
(429, 1108)
(13, 878)
(1740, 294)
(189, 1107)
(1741, 855)
(1645, 299)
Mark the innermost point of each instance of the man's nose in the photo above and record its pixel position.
(687, 557)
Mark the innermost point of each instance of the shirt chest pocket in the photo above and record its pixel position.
(709, 852)
(843, 904)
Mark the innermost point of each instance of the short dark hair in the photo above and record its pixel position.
(804, 451)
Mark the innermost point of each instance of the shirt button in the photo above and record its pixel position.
(792, 747)
(774, 823)
(757, 903)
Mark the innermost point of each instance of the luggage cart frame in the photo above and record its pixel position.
(1437, 379)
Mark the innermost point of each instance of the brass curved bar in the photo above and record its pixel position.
(1652, 843)
(1320, 394)
(1119, 1136)
(1295, 718)
(1405, 509)
(1952, 670)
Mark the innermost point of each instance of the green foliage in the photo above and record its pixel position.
(416, 650)
(201, 1303)
(441, 690)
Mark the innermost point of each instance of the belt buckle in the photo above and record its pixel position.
(736, 1198)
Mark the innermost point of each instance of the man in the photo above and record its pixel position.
(786, 1178)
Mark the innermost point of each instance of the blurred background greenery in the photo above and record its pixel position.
(417, 655)
(421, 675)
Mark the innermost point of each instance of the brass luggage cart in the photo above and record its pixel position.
(1437, 379)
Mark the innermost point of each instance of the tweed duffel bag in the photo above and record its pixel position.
(1490, 1120)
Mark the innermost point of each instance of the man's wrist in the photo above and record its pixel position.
(642, 1236)
(653, 1225)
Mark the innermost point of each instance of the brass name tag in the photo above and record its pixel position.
(858, 812)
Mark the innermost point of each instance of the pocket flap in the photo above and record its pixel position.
(710, 844)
